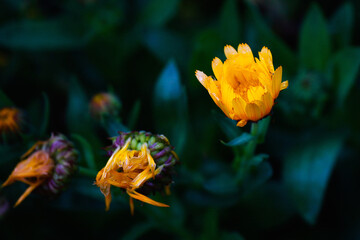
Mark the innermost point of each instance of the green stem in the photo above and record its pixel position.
(258, 131)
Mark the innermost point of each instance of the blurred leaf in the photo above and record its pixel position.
(42, 35)
(231, 236)
(269, 39)
(45, 119)
(87, 151)
(158, 12)
(134, 115)
(314, 42)
(227, 125)
(306, 173)
(166, 44)
(258, 174)
(138, 230)
(341, 25)
(210, 225)
(240, 140)
(266, 207)
(230, 22)
(170, 106)
(343, 69)
(5, 101)
(223, 183)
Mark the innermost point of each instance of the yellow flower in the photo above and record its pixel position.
(245, 88)
(10, 119)
(128, 169)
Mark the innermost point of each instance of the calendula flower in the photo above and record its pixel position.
(47, 167)
(104, 104)
(10, 120)
(245, 88)
(140, 163)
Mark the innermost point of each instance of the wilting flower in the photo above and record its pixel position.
(141, 163)
(103, 104)
(10, 120)
(244, 88)
(47, 167)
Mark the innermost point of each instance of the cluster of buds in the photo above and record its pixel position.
(46, 167)
(103, 105)
(140, 163)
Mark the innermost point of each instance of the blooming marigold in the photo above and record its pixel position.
(140, 163)
(10, 119)
(244, 88)
(47, 166)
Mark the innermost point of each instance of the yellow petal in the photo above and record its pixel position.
(241, 123)
(229, 51)
(255, 93)
(227, 96)
(284, 85)
(276, 82)
(253, 112)
(245, 54)
(268, 102)
(266, 57)
(202, 77)
(239, 107)
(217, 67)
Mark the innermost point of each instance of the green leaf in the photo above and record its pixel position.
(306, 172)
(341, 25)
(230, 27)
(240, 140)
(343, 70)
(158, 12)
(314, 42)
(42, 35)
(170, 106)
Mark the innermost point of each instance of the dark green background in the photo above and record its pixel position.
(55, 55)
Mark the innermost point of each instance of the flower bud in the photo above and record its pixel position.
(104, 104)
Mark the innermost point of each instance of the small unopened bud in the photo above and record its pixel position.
(104, 104)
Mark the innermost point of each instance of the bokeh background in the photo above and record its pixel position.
(55, 55)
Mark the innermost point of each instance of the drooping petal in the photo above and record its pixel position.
(143, 198)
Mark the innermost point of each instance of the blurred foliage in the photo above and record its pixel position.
(293, 175)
